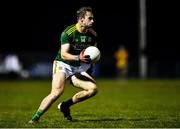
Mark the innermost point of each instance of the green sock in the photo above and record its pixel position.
(37, 115)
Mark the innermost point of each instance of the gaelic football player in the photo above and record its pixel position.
(70, 63)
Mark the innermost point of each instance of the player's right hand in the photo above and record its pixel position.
(84, 58)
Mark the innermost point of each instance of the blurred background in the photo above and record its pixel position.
(147, 29)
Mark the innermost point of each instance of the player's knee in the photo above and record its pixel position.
(92, 90)
(55, 95)
(74, 81)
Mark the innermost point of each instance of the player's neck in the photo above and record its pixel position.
(81, 28)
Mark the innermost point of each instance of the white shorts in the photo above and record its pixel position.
(59, 66)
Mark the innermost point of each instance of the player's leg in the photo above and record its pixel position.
(57, 89)
(85, 82)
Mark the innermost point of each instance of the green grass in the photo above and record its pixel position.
(129, 104)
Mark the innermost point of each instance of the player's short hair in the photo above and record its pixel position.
(82, 11)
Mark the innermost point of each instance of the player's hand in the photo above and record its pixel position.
(84, 58)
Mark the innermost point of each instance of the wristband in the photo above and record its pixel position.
(77, 58)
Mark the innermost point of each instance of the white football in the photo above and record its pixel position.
(94, 53)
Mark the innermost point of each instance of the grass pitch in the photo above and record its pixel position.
(127, 104)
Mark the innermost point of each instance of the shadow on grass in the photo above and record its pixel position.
(114, 119)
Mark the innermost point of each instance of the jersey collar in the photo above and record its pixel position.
(79, 30)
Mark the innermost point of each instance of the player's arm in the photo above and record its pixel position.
(65, 47)
(66, 55)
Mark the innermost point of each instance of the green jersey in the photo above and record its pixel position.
(78, 41)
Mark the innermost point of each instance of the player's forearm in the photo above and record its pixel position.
(69, 57)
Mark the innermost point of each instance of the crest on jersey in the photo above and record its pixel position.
(83, 38)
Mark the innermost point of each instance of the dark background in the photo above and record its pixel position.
(32, 30)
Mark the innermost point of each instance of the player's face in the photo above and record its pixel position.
(88, 20)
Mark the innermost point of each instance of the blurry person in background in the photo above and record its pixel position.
(121, 56)
(70, 63)
(13, 66)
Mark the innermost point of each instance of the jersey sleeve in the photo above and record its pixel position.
(64, 38)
